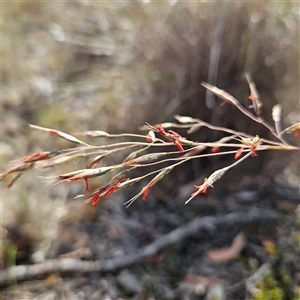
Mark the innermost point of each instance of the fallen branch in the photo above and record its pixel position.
(29, 272)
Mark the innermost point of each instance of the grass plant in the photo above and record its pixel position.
(239, 145)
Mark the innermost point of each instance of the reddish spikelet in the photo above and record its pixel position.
(34, 157)
(178, 144)
(238, 153)
(297, 133)
(252, 144)
(145, 190)
(208, 182)
(107, 190)
(95, 164)
(95, 199)
(171, 135)
(146, 194)
(201, 189)
(253, 151)
(215, 149)
(53, 132)
(161, 130)
(175, 134)
(86, 185)
(174, 137)
(113, 188)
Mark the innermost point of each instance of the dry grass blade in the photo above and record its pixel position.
(221, 94)
(146, 189)
(22, 167)
(61, 134)
(257, 104)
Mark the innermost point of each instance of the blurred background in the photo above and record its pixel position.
(113, 66)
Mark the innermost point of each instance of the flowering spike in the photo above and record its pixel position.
(61, 134)
(94, 163)
(19, 168)
(252, 143)
(128, 182)
(37, 156)
(34, 157)
(201, 189)
(208, 182)
(145, 190)
(105, 191)
(61, 159)
(220, 93)
(86, 173)
(147, 158)
(131, 156)
(171, 135)
(12, 181)
(254, 97)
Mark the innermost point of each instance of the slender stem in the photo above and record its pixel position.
(280, 148)
(218, 128)
(128, 135)
(238, 133)
(260, 120)
(239, 161)
(182, 158)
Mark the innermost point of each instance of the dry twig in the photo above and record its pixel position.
(63, 266)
